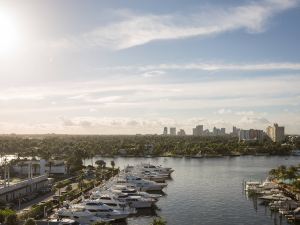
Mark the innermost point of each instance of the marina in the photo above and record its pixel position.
(118, 198)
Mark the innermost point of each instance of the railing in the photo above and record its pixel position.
(23, 184)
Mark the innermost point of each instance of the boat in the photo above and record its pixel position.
(134, 192)
(80, 215)
(63, 221)
(145, 185)
(296, 152)
(98, 208)
(112, 202)
(252, 185)
(198, 155)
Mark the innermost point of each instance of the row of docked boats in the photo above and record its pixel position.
(269, 193)
(121, 196)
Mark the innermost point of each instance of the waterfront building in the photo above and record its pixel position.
(181, 132)
(173, 131)
(165, 131)
(10, 190)
(40, 167)
(276, 133)
(198, 130)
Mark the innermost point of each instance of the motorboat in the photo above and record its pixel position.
(112, 202)
(133, 192)
(145, 185)
(98, 208)
(252, 186)
(80, 215)
(135, 201)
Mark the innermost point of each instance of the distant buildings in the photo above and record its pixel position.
(276, 133)
(198, 130)
(251, 135)
(165, 131)
(235, 131)
(173, 131)
(218, 132)
(181, 132)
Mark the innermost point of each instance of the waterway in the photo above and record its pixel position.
(209, 191)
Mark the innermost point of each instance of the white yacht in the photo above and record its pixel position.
(98, 208)
(133, 192)
(150, 168)
(148, 175)
(145, 185)
(135, 201)
(252, 185)
(296, 152)
(80, 215)
(158, 169)
(112, 202)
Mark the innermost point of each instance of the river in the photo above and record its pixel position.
(209, 191)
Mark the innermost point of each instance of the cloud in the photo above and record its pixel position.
(154, 73)
(135, 29)
(224, 111)
(251, 120)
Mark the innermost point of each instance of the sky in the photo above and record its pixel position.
(127, 67)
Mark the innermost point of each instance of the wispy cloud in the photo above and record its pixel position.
(205, 66)
(138, 29)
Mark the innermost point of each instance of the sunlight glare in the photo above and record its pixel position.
(9, 37)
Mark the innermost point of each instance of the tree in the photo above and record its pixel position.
(101, 163)
(158, 221)
(112, 163)
(69, 188)
(30, 221)
(11, 219)
(2, 217)
(59, 185)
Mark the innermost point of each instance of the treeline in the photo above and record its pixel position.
(79, 147)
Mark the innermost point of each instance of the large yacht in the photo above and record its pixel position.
(133, 192)
(80, 215)
(98, 208)
(112, 202)
(145, 185)
(135, 201)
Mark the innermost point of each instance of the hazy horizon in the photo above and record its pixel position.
(111, 67)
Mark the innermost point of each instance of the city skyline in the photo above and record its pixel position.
(110, 67)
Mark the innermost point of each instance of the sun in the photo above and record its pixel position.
(9, 36)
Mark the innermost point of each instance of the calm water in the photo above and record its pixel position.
(209, 191)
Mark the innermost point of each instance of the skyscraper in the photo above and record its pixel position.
(276, 133)
(165, 131)
(198, 130)
(173, 131)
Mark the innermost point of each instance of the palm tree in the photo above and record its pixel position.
(30, 221)
(112, 163)
(59, 185)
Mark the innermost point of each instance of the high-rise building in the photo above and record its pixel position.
(276, 133)
(181, 132)
(173, 131)
(235, 131)
(165, 131)
(198, 130)
(251, 135)
(222, 132)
